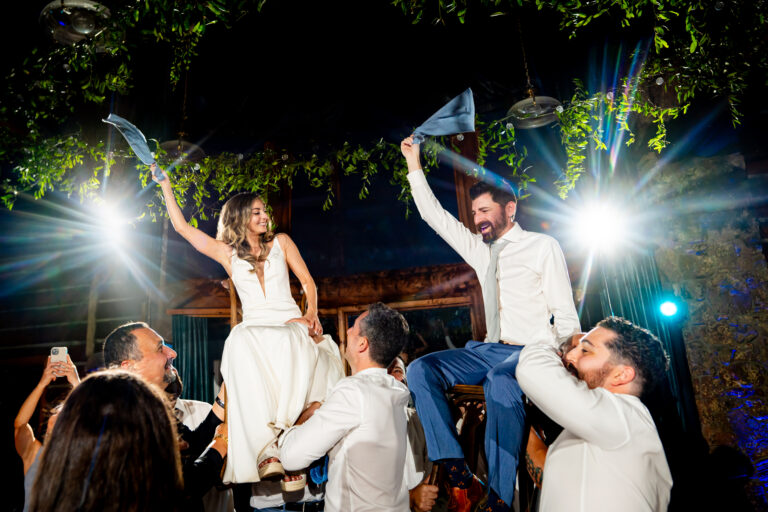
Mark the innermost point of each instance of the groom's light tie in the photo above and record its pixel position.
(491, 293)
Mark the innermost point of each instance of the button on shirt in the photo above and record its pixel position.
(609, 457)
(533, 277)
(362, 427)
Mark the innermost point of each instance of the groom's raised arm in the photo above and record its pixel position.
(450, 229)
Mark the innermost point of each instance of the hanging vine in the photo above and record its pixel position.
(70, 165)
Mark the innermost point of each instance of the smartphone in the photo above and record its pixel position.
(59, 354)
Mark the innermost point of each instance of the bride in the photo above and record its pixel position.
(269, 359)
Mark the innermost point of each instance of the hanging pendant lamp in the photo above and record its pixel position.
(183, 150)
(533, 111)
(70, 21)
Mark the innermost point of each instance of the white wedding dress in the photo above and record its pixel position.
(271, 369)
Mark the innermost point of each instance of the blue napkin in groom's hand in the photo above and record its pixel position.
(457, 116)
(135, 139)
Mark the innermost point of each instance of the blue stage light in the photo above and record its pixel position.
(668, 308)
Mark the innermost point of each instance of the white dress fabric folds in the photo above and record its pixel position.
(268, 366)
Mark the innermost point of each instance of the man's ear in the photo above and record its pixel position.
(363, 346)
(624, 375)
(126, 365)
(510, 209)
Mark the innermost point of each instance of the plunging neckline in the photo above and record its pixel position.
(260, 277)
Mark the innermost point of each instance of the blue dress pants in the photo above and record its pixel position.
(492, 365)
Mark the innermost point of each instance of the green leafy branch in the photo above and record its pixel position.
(65, 164)
(683, 54)
(50, 85)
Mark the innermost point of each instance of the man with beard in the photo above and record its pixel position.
(609, 454)
(138, 348)
(525, 283)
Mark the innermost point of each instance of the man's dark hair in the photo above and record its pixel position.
(120, 345)
(387, 333)
(501, 193)
(638, 348)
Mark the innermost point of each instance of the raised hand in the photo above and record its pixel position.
(50, 373)
(69, 370)
(411, 153)
(154, 168)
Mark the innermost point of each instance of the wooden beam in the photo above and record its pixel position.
(281, 208)
(93, 304)
(389, 286)
(407, 305)
(233, 320)
(201, 312)
(468, 147)
(477, 315)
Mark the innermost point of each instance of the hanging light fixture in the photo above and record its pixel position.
(70, 21)
(183, 150)
(533, 111)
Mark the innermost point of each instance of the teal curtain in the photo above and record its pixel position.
(631, 289)
(190, 340)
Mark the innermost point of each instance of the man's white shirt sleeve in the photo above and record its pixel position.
(301, 445)
(555, 283)
(591, 414)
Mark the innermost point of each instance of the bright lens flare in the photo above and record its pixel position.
(111, 223)
(668, 308)
(601, 228)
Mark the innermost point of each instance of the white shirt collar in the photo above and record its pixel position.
(515, 234)
(372, 371)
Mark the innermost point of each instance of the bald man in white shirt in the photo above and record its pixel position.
(525, 283)
(362, 423)
(609, 455)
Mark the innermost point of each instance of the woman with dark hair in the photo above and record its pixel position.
(113, 448)
(269, 360)
(27, 445)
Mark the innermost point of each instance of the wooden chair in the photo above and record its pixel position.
(235, 308)
(468, 407)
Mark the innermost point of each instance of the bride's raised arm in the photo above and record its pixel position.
(214, 249)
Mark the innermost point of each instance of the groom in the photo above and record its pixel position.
(525, 284)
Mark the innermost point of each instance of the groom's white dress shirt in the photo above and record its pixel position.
(533, 277)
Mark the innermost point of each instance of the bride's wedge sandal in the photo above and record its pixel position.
(296, 484)
(270, 467)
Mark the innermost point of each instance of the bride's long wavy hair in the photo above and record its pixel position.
(233, 228)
